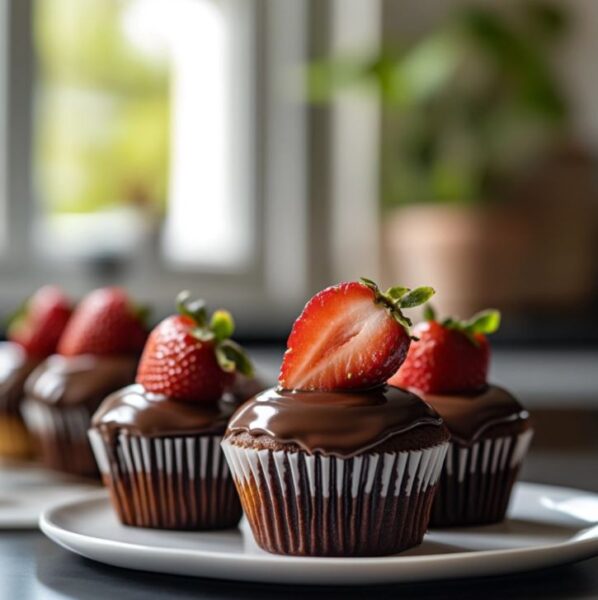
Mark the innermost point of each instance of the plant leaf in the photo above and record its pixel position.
(231, 357)
(486, 321)
(222, 324)
(396, 292)
(416, 297)
(429, 313)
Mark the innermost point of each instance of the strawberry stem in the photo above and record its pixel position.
(230, 356)
(397, 298)
(485, 322)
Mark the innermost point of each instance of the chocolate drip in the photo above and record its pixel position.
(79, 380)
(468, 416)
(142, 413)
(15, 367)
(336, 423)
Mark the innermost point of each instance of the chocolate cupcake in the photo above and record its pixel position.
(61, 396)
(97, 355)
(490, 430)
(15, 366)
(157, 443)
(34, 332)
(333, 462)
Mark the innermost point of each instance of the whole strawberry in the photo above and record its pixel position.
(349, 336)
(105, 323)
(449, 356)
(40, 322)
(189, 358)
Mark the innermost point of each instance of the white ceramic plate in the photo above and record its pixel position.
(26, 490)
(547, 526)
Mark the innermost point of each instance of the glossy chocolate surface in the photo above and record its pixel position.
(338, 423)
(15, 367)
(142, 413)
(77, 380)
(468, 416)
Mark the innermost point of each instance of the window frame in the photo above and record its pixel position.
(277, 282)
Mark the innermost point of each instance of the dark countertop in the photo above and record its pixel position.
(565, 452)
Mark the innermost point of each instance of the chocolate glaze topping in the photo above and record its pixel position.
(142, 413)
(15, 367)
(468, 416)
(337, 423)
(76, 380)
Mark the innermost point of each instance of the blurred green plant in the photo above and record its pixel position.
(103, 110)
(466, 107)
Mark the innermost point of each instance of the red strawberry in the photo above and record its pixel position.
(187, 358)
(451, 356)
(349, 336)
(105, 323)
(40, 323)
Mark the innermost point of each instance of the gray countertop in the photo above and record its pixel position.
(555, 386)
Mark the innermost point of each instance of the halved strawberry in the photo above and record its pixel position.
(188, 358)
(450, 356)
(40, 322)
(106, 323)
(349, 336)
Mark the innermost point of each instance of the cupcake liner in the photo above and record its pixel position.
(476, 481)
(60, 436)
(168, 482)
(303, 504)
(14, 437)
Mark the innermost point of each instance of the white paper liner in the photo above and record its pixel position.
(60, 434)
(178, 482)
(304, 504)
(476, 480)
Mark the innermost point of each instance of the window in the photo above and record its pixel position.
(159, 145)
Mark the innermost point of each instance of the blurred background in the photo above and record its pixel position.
(255, 151)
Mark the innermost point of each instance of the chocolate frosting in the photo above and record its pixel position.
(143, 413)
(79, 380)
(15, 367)
(337, 423)
(468, 416)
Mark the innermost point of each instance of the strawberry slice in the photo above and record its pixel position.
(189, 358)
(349, 336)
(106, 322)
(449, 356)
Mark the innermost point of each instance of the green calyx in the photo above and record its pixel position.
(217, 328)
(484, 322)
(397, 298)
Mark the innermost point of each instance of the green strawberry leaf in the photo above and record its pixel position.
(429, 313)
(416, 297)
(231, 357)
(486, 322)
(196, 309)
(396, 292)
(222, 324)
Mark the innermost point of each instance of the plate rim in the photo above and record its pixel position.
(570, 550)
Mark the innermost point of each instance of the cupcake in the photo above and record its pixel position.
(97, 354)
(34, 332)
(157, 443)
(490, 430)
(334, 462)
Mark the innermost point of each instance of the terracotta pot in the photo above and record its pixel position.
(473, 257)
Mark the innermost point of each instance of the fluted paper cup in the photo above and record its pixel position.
(369, 505)
(60, 436)
(476, 481)
(172, 482)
